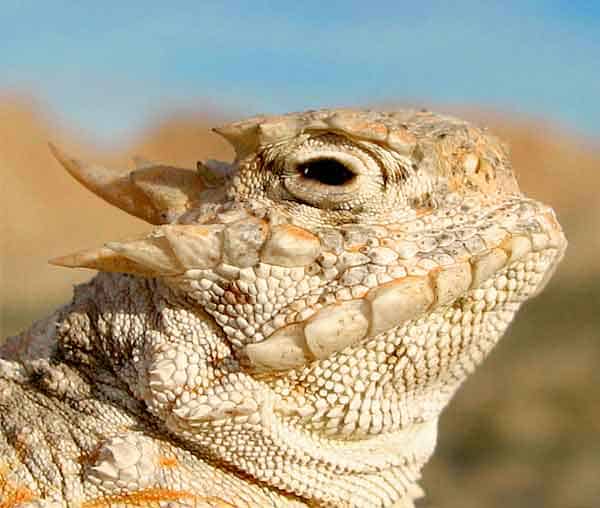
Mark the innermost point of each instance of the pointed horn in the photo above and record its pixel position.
(103, 259)
(243, 136)
(277, 129)
(111, 186)
(171, 190)
(153, 252)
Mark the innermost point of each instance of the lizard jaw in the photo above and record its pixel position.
(340, 325)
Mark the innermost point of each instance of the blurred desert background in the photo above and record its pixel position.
(111, 80)
(523, 432)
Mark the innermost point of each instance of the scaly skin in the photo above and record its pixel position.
(289, 332)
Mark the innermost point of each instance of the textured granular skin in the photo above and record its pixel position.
(291, 328)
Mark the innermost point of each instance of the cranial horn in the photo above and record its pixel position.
(155, 193)
(243, 136)
(105, 260)
(153, 252)
(277, 129)
(111, 186)
(150, 255)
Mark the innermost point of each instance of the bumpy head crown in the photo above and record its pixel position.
(315, 168)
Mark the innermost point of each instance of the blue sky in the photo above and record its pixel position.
(108, 67)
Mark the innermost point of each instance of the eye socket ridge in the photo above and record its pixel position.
(326, 170)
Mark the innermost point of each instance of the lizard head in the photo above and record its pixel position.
(360, 264)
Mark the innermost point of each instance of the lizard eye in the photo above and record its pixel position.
(326, 171)
(330, 172)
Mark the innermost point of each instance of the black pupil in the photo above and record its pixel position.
(326, 171)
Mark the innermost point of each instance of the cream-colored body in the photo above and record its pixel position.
(289, 332)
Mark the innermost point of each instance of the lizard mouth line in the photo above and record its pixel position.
(340, 325)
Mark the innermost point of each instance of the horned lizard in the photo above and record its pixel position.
(290, 330)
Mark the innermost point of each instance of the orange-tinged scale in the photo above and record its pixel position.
(290, 245)
(401, 140)
(372, 130)
(12, 495)
(298, 232)
(357, 125)
(165, 461)
(378, 129)
(356, 247)
(141, 498)
(422, 212)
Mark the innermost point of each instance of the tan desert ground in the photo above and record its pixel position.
(523, 431)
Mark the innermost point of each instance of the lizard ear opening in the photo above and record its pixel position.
(156, 193)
